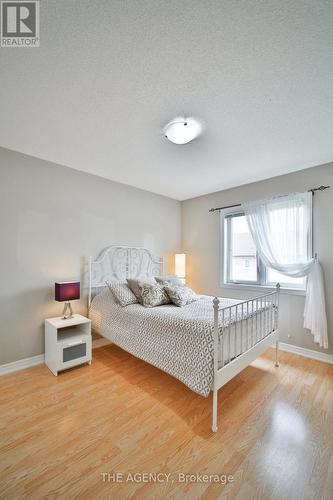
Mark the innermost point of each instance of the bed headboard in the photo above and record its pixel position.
(121, 262)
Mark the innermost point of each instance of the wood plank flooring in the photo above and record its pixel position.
(61, 436)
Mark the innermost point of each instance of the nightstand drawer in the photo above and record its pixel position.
(71, 353)
(74, 351)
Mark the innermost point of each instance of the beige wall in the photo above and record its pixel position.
(51, 217)
(200, 234)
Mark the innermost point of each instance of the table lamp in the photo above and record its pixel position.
(64, 292)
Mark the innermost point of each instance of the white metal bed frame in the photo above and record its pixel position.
(121, 262)
(267, 331)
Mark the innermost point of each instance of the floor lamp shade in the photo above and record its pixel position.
(180, 265)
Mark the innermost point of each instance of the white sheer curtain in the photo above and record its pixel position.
(281, 230)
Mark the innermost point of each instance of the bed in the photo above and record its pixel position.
(203, 344)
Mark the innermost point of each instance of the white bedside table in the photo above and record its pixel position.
(67, 342)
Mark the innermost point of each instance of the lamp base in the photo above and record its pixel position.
(68, 311)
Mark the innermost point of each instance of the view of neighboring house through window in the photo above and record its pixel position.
(242, 265)
(243, 255)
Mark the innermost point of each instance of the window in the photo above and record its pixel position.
(242, 261)
(242, 264)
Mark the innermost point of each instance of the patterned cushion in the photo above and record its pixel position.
(123, 295)
(153, 295)
(171, 279)
(180, 295)
(134, 285)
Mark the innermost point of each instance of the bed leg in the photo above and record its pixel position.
(214, 420)
(277, 364)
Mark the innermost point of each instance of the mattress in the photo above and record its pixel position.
(179, 340)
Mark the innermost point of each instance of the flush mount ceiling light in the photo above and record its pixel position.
(183, 130)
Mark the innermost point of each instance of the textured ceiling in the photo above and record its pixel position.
(109, 74)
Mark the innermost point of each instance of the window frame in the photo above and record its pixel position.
(226, 253)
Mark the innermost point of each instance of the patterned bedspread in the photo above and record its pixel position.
(178, 340)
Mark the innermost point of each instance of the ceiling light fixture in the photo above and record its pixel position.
(183, 130)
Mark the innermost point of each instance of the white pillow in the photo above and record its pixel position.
(171, 279)
(123, 295)
(153, 295)
(133, 284)
(180, 295)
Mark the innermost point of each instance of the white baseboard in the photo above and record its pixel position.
(307, 353)
(21, 364)
(39, 360)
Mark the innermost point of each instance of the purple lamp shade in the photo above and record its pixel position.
(67, 290)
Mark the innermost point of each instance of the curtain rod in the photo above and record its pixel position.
(313, 190)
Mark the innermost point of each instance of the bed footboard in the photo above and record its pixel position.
(242, 332)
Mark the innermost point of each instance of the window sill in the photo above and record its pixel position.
(263, 288)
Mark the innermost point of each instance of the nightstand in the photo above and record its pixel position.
(67, 342)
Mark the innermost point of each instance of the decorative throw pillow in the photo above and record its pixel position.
(171, 279)
(133, 284)
(180, 295)
(123, 295)
(153, 295)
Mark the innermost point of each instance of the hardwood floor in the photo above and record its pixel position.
(121, 415)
